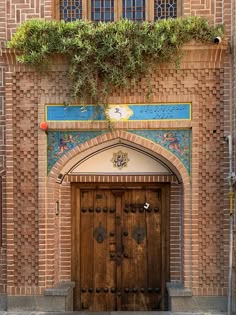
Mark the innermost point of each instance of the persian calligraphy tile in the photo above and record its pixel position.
(119, 112)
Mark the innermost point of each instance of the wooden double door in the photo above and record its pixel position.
(120, 259)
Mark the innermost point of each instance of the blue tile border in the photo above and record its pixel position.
(121, 112)
(177, 142)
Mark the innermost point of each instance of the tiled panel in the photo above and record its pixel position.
(60, 142)
(177, 142)
(124, 112)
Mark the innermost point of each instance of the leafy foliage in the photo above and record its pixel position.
(105, 55)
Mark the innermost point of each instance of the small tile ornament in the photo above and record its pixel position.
(120, 160)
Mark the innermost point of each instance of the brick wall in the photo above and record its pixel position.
(233, 47)
(35, 255)
(22, 180)
(202, 86)
(211, 206)
(25, 164)
(2, 174)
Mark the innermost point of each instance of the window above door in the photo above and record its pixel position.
(113, 10)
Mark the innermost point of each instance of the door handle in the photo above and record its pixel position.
(122, 243)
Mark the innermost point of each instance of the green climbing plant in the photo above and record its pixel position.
(106, 55)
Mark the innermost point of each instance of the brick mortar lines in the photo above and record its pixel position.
(9, 175)
(161, 92)
(233, 43)
(211, 267)
(14, 147)
(42, 145)
(3, 249)
(200, 76)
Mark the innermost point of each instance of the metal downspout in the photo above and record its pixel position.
(231, 180)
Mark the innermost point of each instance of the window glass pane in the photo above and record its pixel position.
(129, 3)
(97, 4)
(70, 10)
(102, 10)
(164, 9)
(133, 10)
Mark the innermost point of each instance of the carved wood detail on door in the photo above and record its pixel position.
(118, 251)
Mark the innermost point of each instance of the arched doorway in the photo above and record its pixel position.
(120, 231)
(108, 189)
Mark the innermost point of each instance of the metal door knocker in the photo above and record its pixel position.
(100, 233)
(138, 234)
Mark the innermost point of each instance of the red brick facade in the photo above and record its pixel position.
(233, 126)
(36, 244)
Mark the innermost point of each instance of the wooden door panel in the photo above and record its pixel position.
(86, 249)
(104, 268)
(134, 267)
(98, 270)
(142, 270)
(111, 263)
(120, 250)
(154, 248)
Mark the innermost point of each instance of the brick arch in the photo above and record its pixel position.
(122, 135)
(64, 189)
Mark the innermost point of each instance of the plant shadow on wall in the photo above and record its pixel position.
(107, 55)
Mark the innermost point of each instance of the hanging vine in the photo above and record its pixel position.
(106, 55)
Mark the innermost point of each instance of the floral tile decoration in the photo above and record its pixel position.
(177, 142)
(60, 142)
